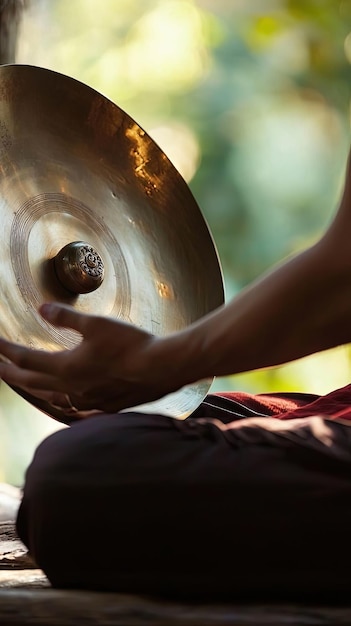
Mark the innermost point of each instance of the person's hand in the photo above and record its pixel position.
(115, 366)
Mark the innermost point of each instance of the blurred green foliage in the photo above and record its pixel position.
(249, 99)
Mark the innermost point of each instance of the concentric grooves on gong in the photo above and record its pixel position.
(25, 218)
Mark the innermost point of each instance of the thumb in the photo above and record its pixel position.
(64, 316)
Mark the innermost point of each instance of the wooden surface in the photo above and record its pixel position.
(27, 579)
(26, 599)
(47, 607)
(13, 554)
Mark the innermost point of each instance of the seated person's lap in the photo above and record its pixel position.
(209, 506)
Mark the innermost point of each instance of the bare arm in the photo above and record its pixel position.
(301, 307)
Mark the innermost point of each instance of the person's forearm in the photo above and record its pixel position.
(301, 307)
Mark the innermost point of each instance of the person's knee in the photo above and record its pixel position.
(88, 480)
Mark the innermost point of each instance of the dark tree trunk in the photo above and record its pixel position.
(10, 14)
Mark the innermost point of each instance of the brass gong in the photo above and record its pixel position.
(93, 214)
